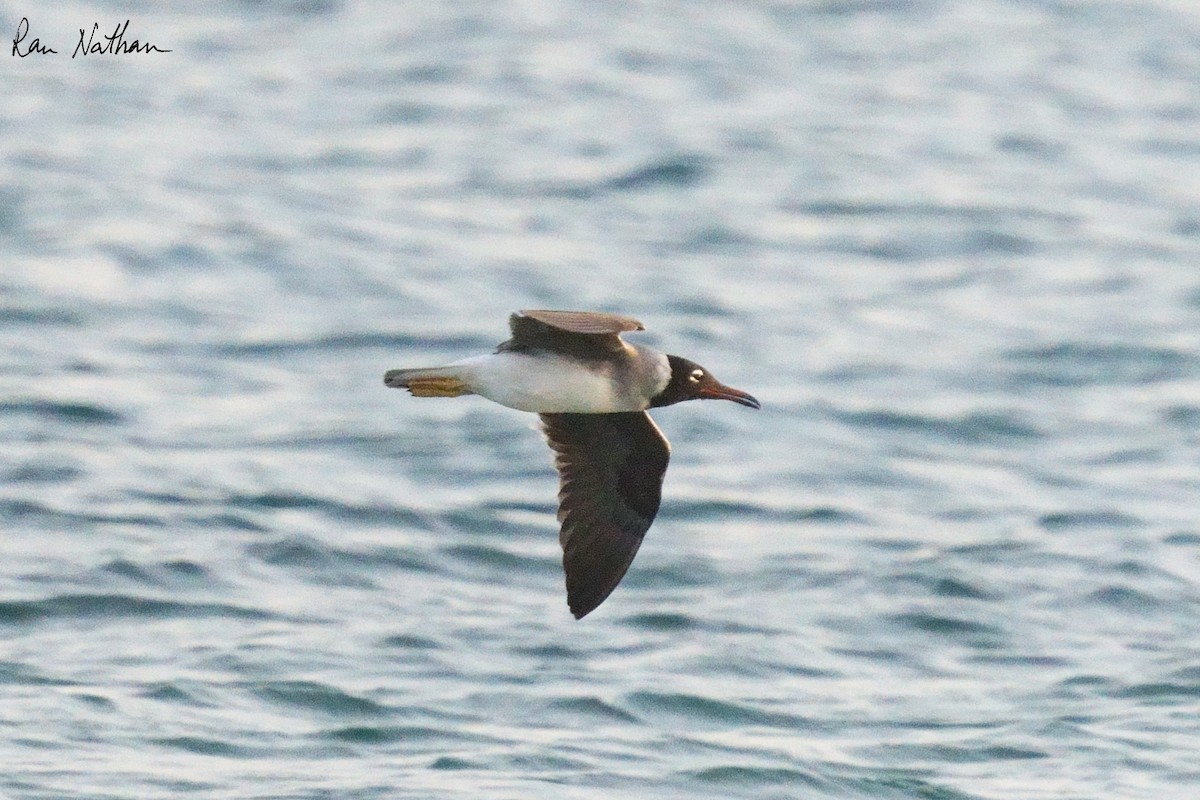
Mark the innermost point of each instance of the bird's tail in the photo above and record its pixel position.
(428, 381)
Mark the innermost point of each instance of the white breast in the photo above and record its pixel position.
(546, 384)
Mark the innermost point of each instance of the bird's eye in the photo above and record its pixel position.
(696, 375)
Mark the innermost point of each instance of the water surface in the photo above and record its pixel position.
(951, 247)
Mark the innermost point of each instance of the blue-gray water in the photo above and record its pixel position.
(954, 248)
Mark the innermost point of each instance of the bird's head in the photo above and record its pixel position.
(690, 381)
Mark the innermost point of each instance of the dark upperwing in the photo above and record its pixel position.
(611, 469)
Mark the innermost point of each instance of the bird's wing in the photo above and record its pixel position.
(583, 321)
(583, 334)
(611, 469)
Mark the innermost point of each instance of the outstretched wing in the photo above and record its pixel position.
(582, 321)
(582, 334)
(611, 469)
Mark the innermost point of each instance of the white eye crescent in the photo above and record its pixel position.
(696, 375)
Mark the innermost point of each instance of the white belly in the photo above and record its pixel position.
(544, 384)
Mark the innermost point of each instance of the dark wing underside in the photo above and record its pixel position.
(582, 334)
(611, 469)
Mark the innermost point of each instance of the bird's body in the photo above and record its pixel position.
(592, 390)
(552, 383)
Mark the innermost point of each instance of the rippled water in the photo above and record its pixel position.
(951, 247)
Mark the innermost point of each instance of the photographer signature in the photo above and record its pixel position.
(112, 44)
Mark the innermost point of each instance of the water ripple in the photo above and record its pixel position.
(1071, 364)
(696, 709)
(66, 413)
(971, 428)
(114, 606)
(318, 697)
